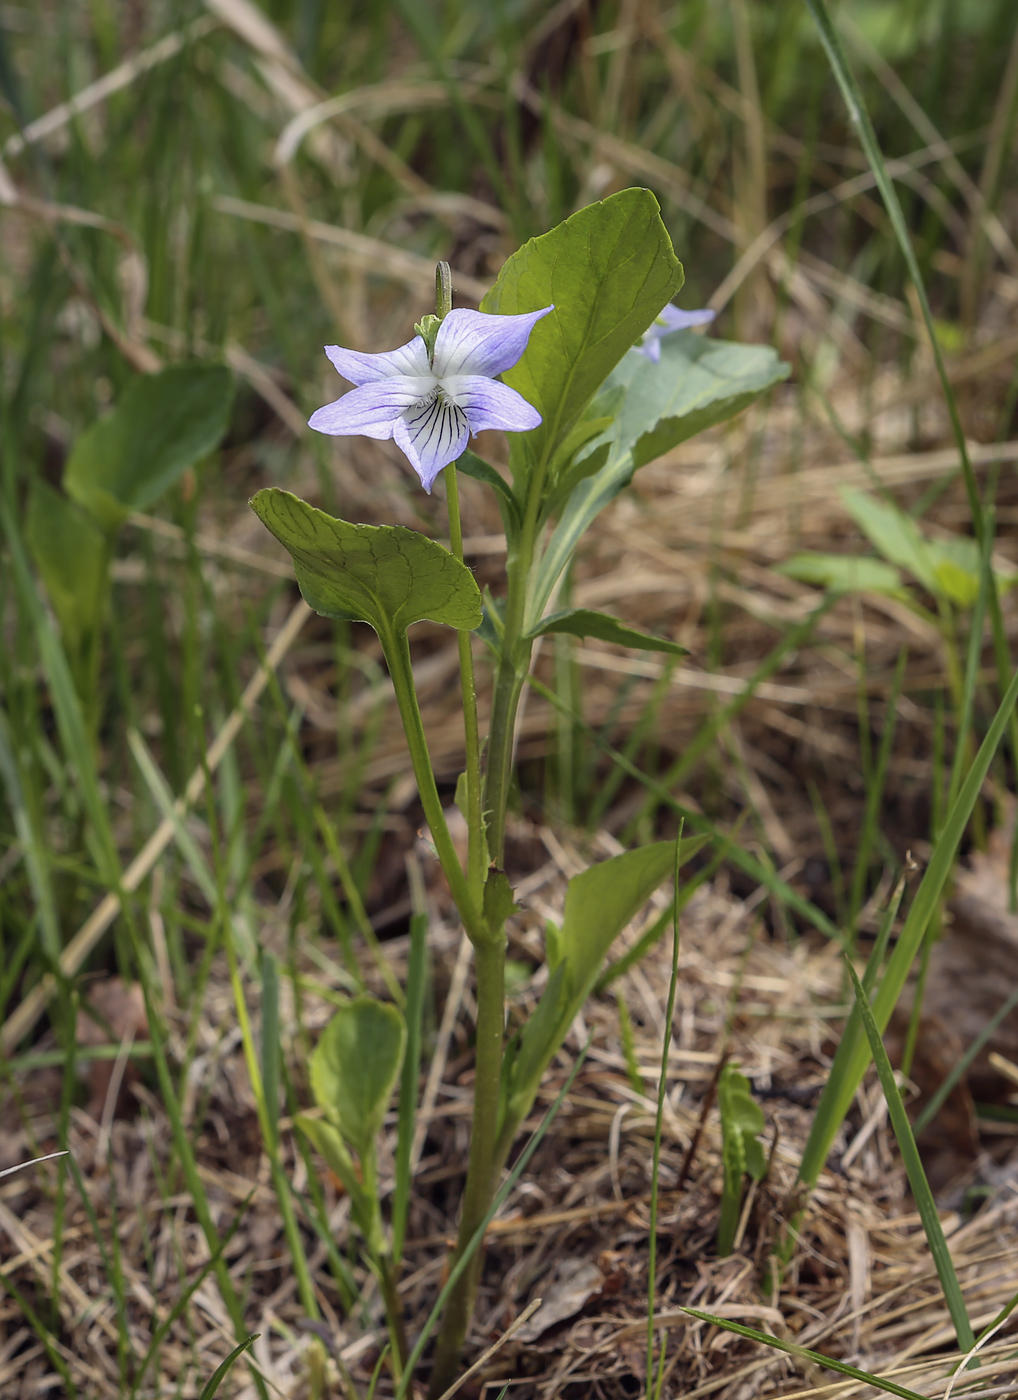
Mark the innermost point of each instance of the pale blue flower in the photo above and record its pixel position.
(671, 319)
(430, 408)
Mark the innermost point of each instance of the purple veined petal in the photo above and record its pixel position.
(652, 349)
(488, 404)
(432, 434)
(410, 360)
(474, 342)
(372, 409)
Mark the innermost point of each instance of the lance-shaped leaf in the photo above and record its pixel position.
(582, 622)
(354, 1066)
(741, 1150)
(608, 270)
(844, 573)
(382, 574)
(599, 904)
(163, 424)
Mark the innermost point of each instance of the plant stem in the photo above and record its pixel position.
(483, 1166)
(513, 667)
(476, 863)
(397, 658)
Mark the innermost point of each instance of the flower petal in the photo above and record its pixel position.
(474, 342)
(372, 409)
(410, 359)
(651, 348)
(678, 320)
(432, 434)
(488, 404)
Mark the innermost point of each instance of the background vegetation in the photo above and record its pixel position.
(241, 185)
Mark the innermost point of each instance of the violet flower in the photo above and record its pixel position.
(671, 319)
(431, 407)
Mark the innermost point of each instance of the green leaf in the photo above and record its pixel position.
(499, 903)
(386, 575)
(163, 424)
(696, 383)
(509, 507)
(226, 1366)
(921, 1193)
(803, 1353)
(72, 555)
(354, 1066)
(329, 1144)
(741, 1151)
(599, 904)
(852, 1055)
(608, 270)
(581, 622)
(894, 534)
(844, 573)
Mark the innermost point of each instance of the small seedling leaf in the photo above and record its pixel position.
(385, 575)
(354, 1068)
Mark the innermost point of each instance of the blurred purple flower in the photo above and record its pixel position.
(671, 319)
(431, 408)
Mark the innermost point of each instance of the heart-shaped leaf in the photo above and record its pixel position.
(163, 424)
(582, 622)
(386, 575)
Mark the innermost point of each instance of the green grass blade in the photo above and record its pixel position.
(464, 1260)
(414, 1013)
(662, 1087)
(852, 1055)
(804, 1354)
(856, 105)
(874, 794)
(726, 847)
(960, 1066)
(188, 1293)
(921, 1192)
(225, 1367)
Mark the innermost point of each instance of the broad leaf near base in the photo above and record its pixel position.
(385, 575)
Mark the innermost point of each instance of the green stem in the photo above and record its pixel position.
(397, 658)
(483, 1166)
(476, 863)
(513, 667)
